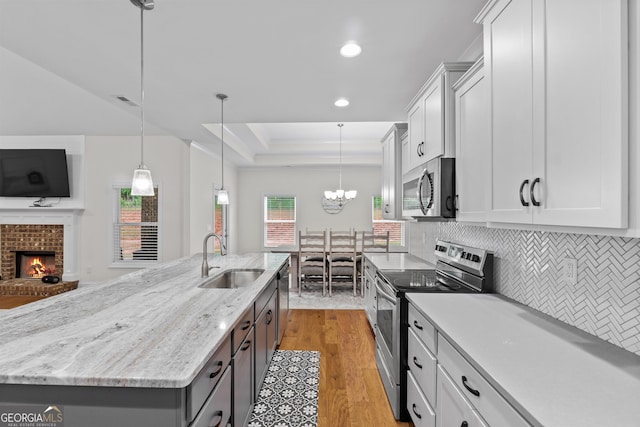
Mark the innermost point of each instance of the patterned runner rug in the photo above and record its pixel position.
(289, 394)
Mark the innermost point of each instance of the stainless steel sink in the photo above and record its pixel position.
(234, 278)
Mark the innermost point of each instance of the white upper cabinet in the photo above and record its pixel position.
(430, 116)
(557, 78)
(473, 144)
(392, 172)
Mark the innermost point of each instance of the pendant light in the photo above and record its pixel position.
(340, 197)
(142, 184)
(223, 196)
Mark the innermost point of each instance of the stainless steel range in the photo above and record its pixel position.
(459, 269)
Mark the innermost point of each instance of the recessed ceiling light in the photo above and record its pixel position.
(350, 49)
(341, 102)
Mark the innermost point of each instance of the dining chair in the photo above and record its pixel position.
(342, 259)
(371, 241)
(312, 259)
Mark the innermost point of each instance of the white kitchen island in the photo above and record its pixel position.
(552, 374)
(133, 345)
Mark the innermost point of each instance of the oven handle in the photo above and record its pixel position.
(381, 289)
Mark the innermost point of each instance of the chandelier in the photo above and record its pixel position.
(340, 196)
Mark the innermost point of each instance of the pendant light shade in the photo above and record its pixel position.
(142, 184)
(340, 196)
(223, 195)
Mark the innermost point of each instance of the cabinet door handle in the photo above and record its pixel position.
(522, 201)
(413, 408)
(415, 362)
(469, 389)
(269, 317)
(418, 150)
(246, 325)
(531, 195)
(216, 415)
(456, 203)
(217, 371)
(386, 208)
(246, 345)
(417, 325)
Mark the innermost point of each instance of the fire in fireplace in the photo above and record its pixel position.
(35, 264)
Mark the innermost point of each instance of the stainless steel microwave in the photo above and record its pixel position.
(429, 192)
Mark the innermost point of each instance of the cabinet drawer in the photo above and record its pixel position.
(264, 297)
(207, 379)
(242, 329)
(423, 365)
(453, 408)
(217, 409)
(422, 328)
(418, 406)
(494, 409)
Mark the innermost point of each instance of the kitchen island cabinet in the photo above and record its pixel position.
(265, 331)
(150, 348)
(503, 363)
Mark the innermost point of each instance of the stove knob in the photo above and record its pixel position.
(475, 258)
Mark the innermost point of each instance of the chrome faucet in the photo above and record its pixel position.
(223, 252)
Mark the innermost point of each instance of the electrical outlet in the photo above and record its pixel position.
(570, 271)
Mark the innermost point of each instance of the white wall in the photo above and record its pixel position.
(111, 160)
(308, 185)
(205, 174)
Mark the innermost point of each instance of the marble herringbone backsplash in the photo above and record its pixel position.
(606, 300)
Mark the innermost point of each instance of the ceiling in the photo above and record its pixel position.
(63, 62)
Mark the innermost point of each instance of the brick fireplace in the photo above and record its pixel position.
(40, 229)
(32, 239)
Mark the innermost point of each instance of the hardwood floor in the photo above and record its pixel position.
(351, 392)
(11, 301)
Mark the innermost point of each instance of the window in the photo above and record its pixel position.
(219, 222)
(279, 221)
(135, 228)
(381, 225)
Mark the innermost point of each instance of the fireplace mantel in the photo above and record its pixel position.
(66, 217)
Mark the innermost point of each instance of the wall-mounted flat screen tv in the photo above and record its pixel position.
(34, 173)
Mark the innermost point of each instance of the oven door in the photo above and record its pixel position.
(388, 342)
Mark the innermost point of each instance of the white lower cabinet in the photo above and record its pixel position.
(443, 388)
(476, 388)
(421, 375)
(453, 408)
(422, 363)
(369, 280)
(422, 414)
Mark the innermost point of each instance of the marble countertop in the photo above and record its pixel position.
(397, 261)
(150, 328)
(552, 373)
